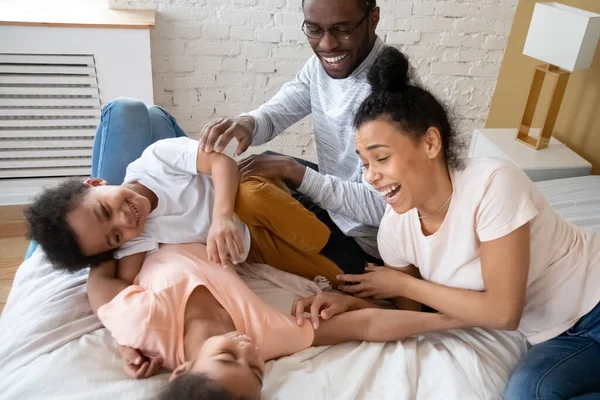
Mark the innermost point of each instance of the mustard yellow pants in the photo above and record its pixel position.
(284, 234)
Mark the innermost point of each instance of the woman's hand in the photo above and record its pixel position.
(377, 283)
(138, 366)
(224, 244)
(325, 305)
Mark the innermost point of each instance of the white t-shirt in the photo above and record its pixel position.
(491, 199)
(185, 198)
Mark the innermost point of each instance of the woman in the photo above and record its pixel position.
(475, 240)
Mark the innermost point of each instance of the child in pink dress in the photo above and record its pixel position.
(203, 322)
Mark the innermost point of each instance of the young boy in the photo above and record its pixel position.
(175, 193)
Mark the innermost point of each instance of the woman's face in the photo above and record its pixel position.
(398, 167)
(233, 361)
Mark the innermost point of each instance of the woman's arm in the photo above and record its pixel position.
(403, 303)
(376, 325)
(341, 318)
(505, 266)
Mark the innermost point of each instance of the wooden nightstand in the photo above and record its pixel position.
(554, 162)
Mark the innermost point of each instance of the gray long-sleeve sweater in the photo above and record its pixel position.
(339, 187)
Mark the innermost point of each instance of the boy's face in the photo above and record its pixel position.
(108, 217)
(233, 361)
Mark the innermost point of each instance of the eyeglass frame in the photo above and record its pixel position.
(346, 34)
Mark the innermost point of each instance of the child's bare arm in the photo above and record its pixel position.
(129, 267)
(226, 180)
(103, 285)
(224, 244)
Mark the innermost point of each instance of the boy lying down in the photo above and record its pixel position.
(174, 194)
(185, 309)
(202, 321)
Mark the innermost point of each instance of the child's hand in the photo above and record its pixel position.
(224, 244)
(138, 366)
(324, 305)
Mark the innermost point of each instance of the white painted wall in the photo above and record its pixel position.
(122, 56)
(123, 68)
(214, 58)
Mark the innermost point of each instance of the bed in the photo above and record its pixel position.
(51, 345)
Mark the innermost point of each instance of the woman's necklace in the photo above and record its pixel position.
(438, 210)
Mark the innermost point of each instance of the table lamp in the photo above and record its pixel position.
(564, 38)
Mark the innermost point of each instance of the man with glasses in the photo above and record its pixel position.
(330, 87)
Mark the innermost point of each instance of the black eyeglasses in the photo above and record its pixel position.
(338, 31)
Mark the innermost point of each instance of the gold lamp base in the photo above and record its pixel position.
(560, 79)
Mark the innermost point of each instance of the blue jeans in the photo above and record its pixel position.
(566, 367)
(127, 126)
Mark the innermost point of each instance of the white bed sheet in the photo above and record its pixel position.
(576, 199)
(52, 347)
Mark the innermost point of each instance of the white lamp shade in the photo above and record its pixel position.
(563, 36)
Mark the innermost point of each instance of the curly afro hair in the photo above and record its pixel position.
(396, 99)
(47, 225)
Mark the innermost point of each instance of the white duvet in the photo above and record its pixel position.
(52, 347)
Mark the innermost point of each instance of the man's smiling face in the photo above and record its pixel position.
(343, 51)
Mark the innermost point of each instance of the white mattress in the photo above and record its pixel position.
(576, 199)
(52, 347)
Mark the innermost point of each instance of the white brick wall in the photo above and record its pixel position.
(214, 58)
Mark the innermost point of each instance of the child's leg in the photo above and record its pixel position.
(126, 128)
(267, 203)
(284, 234)
(270, 249)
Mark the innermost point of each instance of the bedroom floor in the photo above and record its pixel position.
(12, 250)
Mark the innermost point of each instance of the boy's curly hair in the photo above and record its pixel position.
(47, 225)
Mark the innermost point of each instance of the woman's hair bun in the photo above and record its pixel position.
(389, 72)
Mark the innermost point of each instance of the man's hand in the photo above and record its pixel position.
(376, 283)
(324, 305)
(224, 244)
(272, 166)
(138, 366)
(241, 128)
